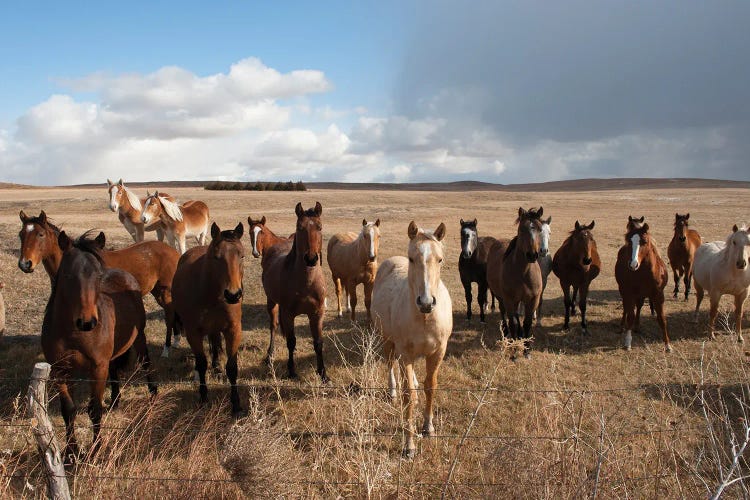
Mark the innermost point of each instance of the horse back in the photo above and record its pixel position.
(342, 255)
(147, 261)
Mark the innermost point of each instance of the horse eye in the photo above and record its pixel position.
(411, 260)
(41, 235)
(440, 261)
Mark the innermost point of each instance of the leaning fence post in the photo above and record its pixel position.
(49, 448)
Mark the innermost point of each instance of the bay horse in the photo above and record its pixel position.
(152, 264)
(128, 207)
(93, 316)
(413, 311)
(545, 264)
(633, 223)
(472, 265)
(641, 273)
(353, 259)
(576, 263)
(207, 294)
(681, 252)
(723, 268)
(261, 237)
(294, 284)
(513, 274)
(179, 221)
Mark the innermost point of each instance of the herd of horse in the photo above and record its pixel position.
(95, 312)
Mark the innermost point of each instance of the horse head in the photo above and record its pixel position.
(308, 238)
(257, 235)
(37, 237)
(528, 237)
(79, 278)
(739, 247)
(638, 238)
(371, 235)
(116, 191)
(225, 256)
(681, 226)
(635, 223)
(469, 238)
(544, 235)
(583, 242)
(425, 261)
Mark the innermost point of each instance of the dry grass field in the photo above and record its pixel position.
(580, 418)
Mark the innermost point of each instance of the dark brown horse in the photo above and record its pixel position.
(641, 273)
(681, 252)
(633, 223)
(152, 263)
(514, 276)
(472, 264)
(207, 294)
(294, 284)
(261, 237)
(576, 263)
(93, 316)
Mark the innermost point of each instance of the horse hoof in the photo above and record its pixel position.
(408, 454)
(482, 321)
(239, 413)
(165, 352)
(667, 348)
(340, 315)
(428, 431)
(628, 341)
(176, 340)
(740, 339)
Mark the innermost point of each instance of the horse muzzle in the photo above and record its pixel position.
(86, 326)
(532, 256)
(426, 307)
(113, 207)
(634, 265)
(543, 252)
(233, 298)
(372, 258)
(466, 254)
(586, 261)
(311, 261)
(256, 254)
(682, 238)
(741, 264)
(25, 266)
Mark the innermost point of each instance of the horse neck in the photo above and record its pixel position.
(126, 208)
(272, 237)
(52, 255)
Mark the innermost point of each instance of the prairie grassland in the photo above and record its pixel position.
(581, 417)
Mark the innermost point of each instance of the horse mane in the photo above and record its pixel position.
(511, 247)
(229, 235)
(171, 208)
(310, 212)
(133, 199)
(87, 243)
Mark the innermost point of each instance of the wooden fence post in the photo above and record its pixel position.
(49, 448)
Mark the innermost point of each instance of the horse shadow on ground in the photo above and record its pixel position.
(723, 404)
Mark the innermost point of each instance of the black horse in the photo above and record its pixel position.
(472, 265)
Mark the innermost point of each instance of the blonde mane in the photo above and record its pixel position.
(135, 202)
(171, 208)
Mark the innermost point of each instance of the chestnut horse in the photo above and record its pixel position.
(413, 310)
(353, 259)
(128, 207)
(681, 252)
(93, 316)
(179, 221)
(208, 300)
(472, 265)
(513, 274)
(152, 263)
(576, 263)
(294, 284)
(641, 273)
(633, 223)
(261, 237)
(723, 268)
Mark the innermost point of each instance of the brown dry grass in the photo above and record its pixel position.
(301, 439)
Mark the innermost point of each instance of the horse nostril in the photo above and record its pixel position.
(587, 261)
(256, 254)
(232, 298)
(434, 300)
(419, 300)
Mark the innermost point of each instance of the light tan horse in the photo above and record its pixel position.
(128, 207)
(179, 221)
(412, 308)
(723, 268)
(353, 259)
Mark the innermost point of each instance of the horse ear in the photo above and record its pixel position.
(119, 183)
(578, 225)
(109, 183)
(540, 212)
(215, 231)
(735, 228)
(23, 216)
(591, 226)
(412, 231)
(521, 211)
(249, 220)
(474, 222)
(642, 218)
(687, 216)
(100, 240)
(239, 230)
(318, 208)
(42, 217)
(549, 220)
(263, 221)
(156, 193)
(462, 222)
(364, 222)
(64, 242)
(645, 227)
(298, 209)
(148, 195)
(440, 232)
(377, 222)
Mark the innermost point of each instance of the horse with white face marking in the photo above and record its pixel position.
(545, 264)
(128, 207)
(353, 259)
(179, 221)
(412, 308)
(261, 236)
(641, 273)
(472, 265)
(723, 268)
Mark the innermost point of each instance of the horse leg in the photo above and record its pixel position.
(316, 328)
(482, 299)
(68, 410)
(160, 233)
(503, 316)
(214, 341)
(698, 299)
(739, 302)
(140, 345)
(433, 362)
(639, 304)
(232, 339)
(676, 274)
(568, 304)
(688, 277)
(337, 285)
(351, 291)
(181, 242)
(538, 310)
(390, 363)
(407, 380)
(528, 320)
(99, 382)
(629, 307)
(467, 294)
(582, 302)
(201, 363)
(139, 233)
(658, 302)
(286, 321)
(163, 296)
(714, 298)
(368, 299)
(573, 302)
(115, 367)
(492, 305)
(273, 318)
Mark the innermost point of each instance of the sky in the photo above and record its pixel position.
(387, 91)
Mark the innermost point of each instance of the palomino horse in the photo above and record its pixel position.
(641, 273)
(353, 259)
(472, 265)
(208, 300)
(179, 221)
(294, 284)
(128, 207)
(152, 263)
(514, 275)
(576, 264)
(412, 308)
(93, 316)
(681, 252)
(723, 268)
(261, 237)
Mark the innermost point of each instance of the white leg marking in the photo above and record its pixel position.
(165, 352)
(628, 340)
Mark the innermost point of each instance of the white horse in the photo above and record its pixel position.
(723, 268)
(413, 310)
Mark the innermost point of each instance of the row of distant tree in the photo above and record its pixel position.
(255, 186)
